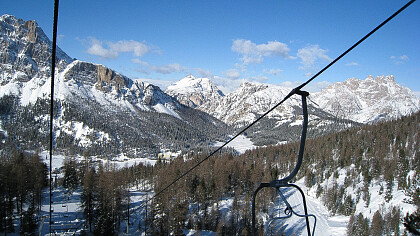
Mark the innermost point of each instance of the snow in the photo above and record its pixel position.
(68, 209)
(240, 144)
(201, 233)
(191, 84)
(368, 100)
(9, 89)
(325, 223)
(81, 132)
(296, 122)
(163, 109)
(120, 161)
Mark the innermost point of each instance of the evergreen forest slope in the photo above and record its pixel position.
(373, 169)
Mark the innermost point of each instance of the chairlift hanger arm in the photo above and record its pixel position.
(285, 181)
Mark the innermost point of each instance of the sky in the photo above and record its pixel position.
(281, 42)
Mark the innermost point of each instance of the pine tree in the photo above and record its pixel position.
(350, 225)
(89, 197)
(70, 180)
(412, 222)
(361, 226)
(376, 227)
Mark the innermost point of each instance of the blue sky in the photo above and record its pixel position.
(278, 42)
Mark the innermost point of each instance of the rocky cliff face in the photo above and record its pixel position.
(25, 50)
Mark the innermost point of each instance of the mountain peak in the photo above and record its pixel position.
(10, 19)
(194, 92)
(368, 100)
(28, 49)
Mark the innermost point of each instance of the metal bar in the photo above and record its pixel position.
(305, 208)
(287, 179)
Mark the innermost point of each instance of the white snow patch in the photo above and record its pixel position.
(163, 109)
(240, 144)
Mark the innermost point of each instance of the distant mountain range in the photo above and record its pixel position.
(368, 100)
(337, 107)
(361, 101)
(101, 112)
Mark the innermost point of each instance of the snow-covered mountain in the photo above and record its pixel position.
(194, 92)
(247, 103)
(332, 109)
(361, 101)
(97, 109)
(368, 100)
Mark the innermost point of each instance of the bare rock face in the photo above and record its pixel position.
(31, 26)
(26, 49)
(108, 78)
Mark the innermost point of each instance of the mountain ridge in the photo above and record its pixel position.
(387, 98)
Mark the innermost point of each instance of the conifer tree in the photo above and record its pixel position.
(376, 227)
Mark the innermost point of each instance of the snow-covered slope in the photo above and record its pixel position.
(251, 100)
(25, 53)
(361, 101)
(88, 81)
(368, 100)
(193, 92)
(245, 104)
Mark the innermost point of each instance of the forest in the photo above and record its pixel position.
(384, 154)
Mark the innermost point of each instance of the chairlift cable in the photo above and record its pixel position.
(53, 56)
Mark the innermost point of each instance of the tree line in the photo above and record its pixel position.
(383, 153)
(23, 178)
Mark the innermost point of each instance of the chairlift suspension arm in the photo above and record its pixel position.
(285, 181)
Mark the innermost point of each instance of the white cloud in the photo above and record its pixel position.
(255, 53)
(204, 73)
(311, 87)
(399, 60)
(169, 68)
(113, 49)
(352, 64)
(272, 71)
(258, 78)
(227, 85)
(404, 57)
(310, 54)
(232, 74)
(417, 93)
(146, 68)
